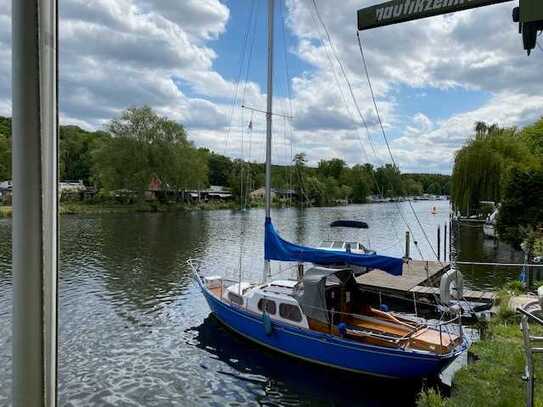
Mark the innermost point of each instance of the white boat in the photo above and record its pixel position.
(489, 227)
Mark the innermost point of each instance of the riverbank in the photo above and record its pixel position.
(495, 378)
(79, 208)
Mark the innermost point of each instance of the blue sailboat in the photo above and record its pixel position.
(322, 317)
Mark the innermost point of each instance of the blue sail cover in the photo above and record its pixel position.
(276, 248)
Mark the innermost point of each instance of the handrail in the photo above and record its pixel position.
(529, 350)
(530, 315)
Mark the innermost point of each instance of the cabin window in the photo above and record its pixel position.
(267, 305)
(290, 312)
(337, 245)
(236, 299)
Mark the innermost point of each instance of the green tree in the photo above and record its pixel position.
(521, 210)
(5, 158)
(220, 167)
(533, 136)
(389, 180)
(300, 176)
(5, 148)
(75, 156)
(412, 187)
(482, 164)
(144, 145)
(331, 168)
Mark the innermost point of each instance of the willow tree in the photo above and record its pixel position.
(482, 165)
(143, 146)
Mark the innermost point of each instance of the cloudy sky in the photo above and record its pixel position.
(197, 61)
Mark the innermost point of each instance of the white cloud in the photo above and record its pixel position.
(476, 50)
(120, 53)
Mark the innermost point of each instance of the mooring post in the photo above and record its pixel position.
(407, 245)
(300, 271)
(34, 227)
(438, 242)
(445, 242)
(450, 239)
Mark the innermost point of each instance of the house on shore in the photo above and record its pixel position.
(163, 192)
(6, 191)
(276, 194)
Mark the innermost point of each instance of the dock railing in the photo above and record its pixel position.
(532, 345)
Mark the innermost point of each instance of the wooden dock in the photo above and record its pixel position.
(419, 279)
(470, 295)
(415, 273)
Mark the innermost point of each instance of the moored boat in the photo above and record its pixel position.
(323, 317)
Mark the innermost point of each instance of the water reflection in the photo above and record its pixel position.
(470, 245)
(142, 258)
(279, 380)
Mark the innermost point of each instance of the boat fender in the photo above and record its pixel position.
(266, 320)
(383, 307)
(451, 277)
(342, 328)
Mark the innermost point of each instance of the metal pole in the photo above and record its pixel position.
(34, 233)
(445, 242)
(269, 106)
(529, 366)
(407, 245)
(438, 243)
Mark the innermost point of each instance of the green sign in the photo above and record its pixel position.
(531, 10)
(398, 11)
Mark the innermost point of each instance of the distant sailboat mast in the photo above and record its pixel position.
(267, 267)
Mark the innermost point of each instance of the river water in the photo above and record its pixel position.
(134, 329)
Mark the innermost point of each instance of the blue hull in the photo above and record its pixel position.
(327, 349)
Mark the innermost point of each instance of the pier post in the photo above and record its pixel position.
(438, 243)
(450, 239)
(445, 242)
(407, 246)
(34, 230)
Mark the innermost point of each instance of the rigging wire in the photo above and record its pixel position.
(362, 118)
(290, 102)
(387, 143)
(251, 30)
(238, 80)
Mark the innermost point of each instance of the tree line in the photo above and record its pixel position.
(503, 165)
(141, 145)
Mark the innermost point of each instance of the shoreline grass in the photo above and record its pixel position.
(99, 208)
(495, 378)
(5, 211)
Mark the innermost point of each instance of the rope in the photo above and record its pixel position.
(355, 102)
(387, 143)
(474, 263)
(361, 116)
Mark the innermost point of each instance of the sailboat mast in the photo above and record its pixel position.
(267, 268)
(269, 108)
